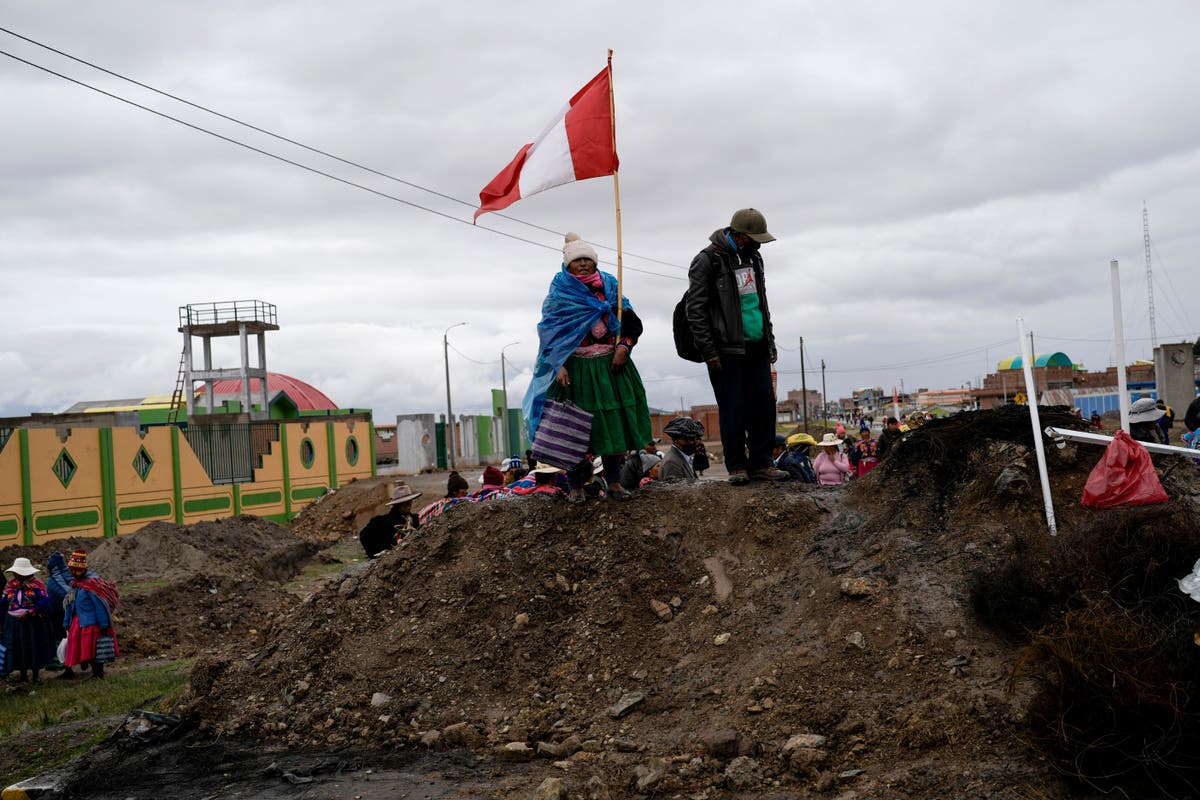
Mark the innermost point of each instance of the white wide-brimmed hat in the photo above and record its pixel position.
(1144, 410)
(829, 440)
(544, 469)
(22, 567)
(401, 493)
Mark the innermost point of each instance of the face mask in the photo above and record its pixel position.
(688, 449)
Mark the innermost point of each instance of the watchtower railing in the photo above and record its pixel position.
(216, 313)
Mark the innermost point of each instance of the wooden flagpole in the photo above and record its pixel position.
(612, 112)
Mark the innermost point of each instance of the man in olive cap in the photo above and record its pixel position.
(727, 312)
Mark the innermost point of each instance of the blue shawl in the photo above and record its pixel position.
(568, 313)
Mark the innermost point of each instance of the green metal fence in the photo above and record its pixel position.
(230, 453)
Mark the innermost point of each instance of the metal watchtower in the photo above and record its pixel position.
(241, 318)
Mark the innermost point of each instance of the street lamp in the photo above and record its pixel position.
(451, 438)
(504, 392)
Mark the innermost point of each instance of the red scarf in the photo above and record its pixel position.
(105, 590)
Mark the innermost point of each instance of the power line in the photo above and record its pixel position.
(310, 148)
(468, 358)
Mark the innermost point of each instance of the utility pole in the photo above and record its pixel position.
(824, 396)
(504, 393)
(451, 437)
(1149, 276)
(803, 385)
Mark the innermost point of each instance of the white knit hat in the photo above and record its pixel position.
(577, 248)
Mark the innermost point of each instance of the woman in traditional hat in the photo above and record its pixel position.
(91, 637)
(28, 641)
(583, 356)
(831, 466)
(383, 531)
(1143, 421)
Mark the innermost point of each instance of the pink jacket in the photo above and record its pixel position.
(831, 470)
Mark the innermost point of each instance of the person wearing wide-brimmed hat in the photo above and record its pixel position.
(1143, 421)
(795, 461)
(542, 480)
(584, 357)
(830, 465)
(383, 531)
(28, 641)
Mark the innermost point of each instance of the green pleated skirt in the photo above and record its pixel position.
(620, 418)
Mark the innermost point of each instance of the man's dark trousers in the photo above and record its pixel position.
(746, 407)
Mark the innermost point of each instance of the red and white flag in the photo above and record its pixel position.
(578, 143)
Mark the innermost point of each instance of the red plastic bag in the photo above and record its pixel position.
(1124, 477)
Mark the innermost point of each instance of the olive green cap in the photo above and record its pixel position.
(751, 222)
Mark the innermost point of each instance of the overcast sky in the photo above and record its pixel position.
(932, 171)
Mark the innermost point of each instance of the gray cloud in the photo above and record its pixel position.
(932, 172)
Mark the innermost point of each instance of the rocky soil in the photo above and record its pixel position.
(776, 641)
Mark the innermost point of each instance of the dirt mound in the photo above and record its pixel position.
(342, 512)
(679, 642)
(187, 588)
(243, 547)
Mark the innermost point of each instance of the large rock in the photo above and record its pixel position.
(462, 734)
(648, 776)
(721, 744)
(1011, 483)
(626, 704)
(551, 789)
(515, 751)
(743, 773)
(596, 789)
(805, 752)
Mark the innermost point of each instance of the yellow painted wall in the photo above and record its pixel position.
(264, 497)
(361, 431)
(78, 509)
(307, 480)
(73, 510)
(140, 502)
(11, 513)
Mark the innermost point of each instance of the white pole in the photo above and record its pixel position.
(1119, 338)
(1031, 394)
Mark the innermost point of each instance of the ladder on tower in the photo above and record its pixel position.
(177, 395)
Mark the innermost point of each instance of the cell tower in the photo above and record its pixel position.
(1149, 276)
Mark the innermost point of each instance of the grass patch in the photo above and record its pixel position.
(332, 560)
(49, 702)
(54, 751)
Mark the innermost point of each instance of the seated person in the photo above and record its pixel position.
(795, 461)
(493, 483)
(545, 479)
(457, 491)
(637, 466)
(382, 532)
(685, 434)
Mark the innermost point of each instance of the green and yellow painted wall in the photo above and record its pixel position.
(98, 481)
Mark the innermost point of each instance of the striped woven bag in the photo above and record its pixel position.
(563, 434)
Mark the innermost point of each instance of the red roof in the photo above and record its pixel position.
(306, 397)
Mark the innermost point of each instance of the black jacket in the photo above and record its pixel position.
(714, 308)
(886, 440)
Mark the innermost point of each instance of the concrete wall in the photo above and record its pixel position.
(1175, 370)
(416, 442)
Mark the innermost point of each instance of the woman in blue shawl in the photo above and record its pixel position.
(583, 356)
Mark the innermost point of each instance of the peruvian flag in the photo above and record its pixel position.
(578, 143)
